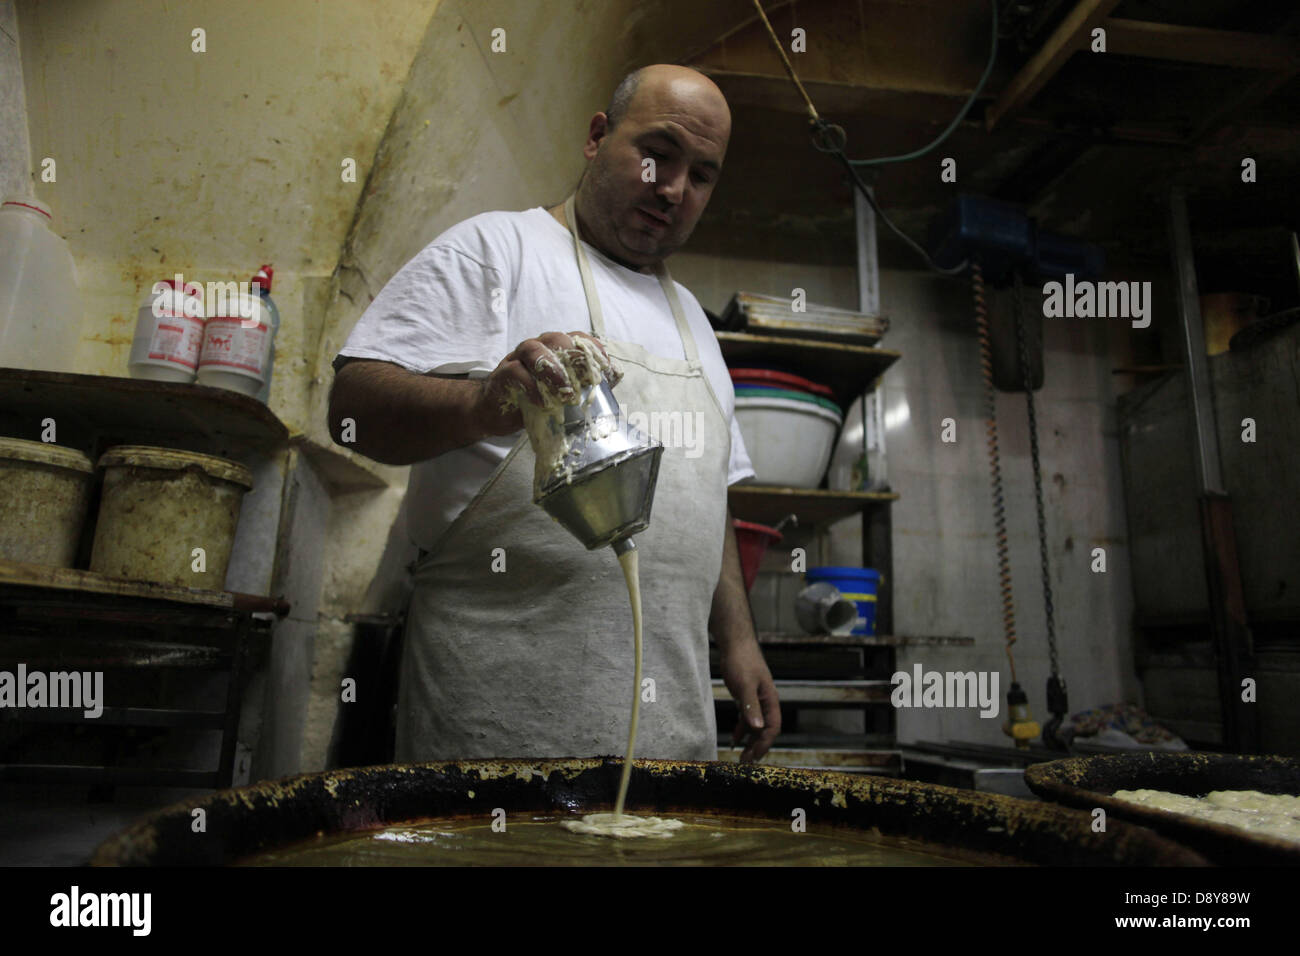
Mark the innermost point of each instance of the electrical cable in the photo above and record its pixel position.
(979, 88)
(1057, 697)
(1022, 341)
(907, 240)
(830, 138)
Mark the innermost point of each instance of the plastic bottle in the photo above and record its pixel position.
(263, 279)
(41, 311)
(237, 342)
(168, 333)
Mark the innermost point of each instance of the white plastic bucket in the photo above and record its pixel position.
(44, 494)
(159, 505)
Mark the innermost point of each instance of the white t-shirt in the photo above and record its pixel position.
(436, 315)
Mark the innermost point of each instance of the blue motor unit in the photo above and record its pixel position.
(1003, 239)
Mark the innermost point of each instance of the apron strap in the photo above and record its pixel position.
(593, 299)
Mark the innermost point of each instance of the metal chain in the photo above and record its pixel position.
(1038, 476)
(995, 463)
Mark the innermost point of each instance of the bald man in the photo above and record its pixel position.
(518, 640)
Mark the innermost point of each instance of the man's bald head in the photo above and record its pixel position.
(625, 92)
(653, 158)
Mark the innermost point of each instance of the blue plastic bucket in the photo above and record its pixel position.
(858, 585)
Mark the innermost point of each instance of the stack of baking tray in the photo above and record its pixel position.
(772, 315)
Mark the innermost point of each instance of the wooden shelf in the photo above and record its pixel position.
(102, 652)
(113, 776)
(92, 411)
(860, 640)
(75, 582)
(61, 616)
(122, 717)
(768, 504)
(834, 692)
(849, 370)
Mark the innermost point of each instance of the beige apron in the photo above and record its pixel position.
(537, 660)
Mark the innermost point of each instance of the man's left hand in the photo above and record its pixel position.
(759, 712)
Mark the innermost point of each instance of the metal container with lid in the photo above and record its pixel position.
(603, 490)
(44, 494)
(168, 516)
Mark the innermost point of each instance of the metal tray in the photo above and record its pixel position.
(1088, 782)
(772, 315)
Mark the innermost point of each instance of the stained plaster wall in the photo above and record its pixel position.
(167, 160)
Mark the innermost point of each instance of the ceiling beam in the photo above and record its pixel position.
(920, 46)
(1237, 103)
(1134, 134)
(1073, 33)
(1166, 41)
(1260, 89)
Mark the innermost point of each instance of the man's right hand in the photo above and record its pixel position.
(496, 409)
(400, 417)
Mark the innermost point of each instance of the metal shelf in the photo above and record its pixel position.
(768, 504)
(860, 640)
(61, 618)
(849, 370)
(833, 692)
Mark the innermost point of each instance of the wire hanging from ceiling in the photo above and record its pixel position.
(830, 138)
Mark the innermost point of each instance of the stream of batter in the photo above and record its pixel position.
(585, 365)
(619, 824)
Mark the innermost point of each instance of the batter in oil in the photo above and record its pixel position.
(1265, 814)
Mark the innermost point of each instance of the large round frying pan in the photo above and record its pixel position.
(1088, 782)
(978, 827)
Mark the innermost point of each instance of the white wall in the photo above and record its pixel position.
(945, 561)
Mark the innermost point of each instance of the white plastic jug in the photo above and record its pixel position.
(41, 310)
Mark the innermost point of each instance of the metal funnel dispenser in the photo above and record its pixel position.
(602, 490)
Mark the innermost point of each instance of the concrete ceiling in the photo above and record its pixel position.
(1091, 153)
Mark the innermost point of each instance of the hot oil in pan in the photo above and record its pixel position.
(535, 840)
